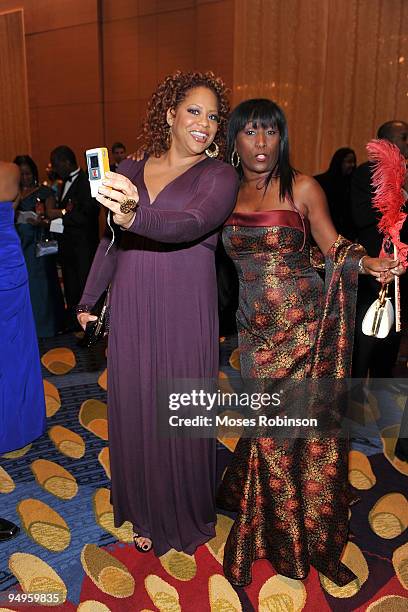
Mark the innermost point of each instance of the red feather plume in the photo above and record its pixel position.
(387, 180)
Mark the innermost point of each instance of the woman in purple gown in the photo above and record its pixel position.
(163, 299)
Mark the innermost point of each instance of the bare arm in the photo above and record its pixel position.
(208, 209)
(312, 196)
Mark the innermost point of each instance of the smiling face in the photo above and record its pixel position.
(194, 124)
(258, 148)
(27, 178)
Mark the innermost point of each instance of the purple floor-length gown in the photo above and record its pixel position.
(163, 325)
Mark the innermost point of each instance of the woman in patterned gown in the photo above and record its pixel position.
(291, 496)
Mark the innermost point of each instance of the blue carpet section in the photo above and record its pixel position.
(75, 387)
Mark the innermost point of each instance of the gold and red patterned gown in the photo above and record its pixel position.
(291, 496)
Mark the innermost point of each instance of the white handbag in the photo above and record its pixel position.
(379, 318)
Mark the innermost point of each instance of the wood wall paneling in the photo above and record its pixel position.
(401, 107)
(338, 70)
(338, 99)
(120, 59)
(176, 32)
(120, 9)
(124, 120)
(43, 15)
(14, 116)
(64, 66)
(215, 38)
(365, 81)
(77, 125)
(147, 45)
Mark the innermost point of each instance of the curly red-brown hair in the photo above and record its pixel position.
(170, 92)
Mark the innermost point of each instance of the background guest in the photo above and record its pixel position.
(374, 355)
(118, 154)
(80, 216)
(336, 184)
(45, 290)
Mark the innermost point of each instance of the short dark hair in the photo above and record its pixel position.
(20, 160)
(117, 145)
(386, 130)
(64, 153)
(267, 114)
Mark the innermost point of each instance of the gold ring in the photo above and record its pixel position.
(128, 206)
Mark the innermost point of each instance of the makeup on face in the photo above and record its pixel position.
(196, 120)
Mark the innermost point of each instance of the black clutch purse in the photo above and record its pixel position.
(98, 329)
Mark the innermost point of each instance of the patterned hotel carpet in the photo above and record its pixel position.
(57, 490)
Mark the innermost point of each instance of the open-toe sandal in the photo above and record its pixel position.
(142, 548)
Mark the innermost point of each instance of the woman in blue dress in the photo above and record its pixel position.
(45, 290)
(22, 406)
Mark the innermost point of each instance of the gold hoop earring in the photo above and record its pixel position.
(213, 153)
(235, 161)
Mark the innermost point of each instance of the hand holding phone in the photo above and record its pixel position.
(97, 161)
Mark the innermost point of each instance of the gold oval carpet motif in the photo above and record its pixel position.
(93, 416)
(54, 478)
(59, 360)
(52, 398)
(36, 576)
(44, 525)
(107, 573)
(67, 442)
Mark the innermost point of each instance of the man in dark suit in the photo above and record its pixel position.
(118, 154)
(80, 218)
(372, 354)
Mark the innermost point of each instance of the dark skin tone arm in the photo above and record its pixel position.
(313, 201)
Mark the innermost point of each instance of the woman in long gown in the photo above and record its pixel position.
(163, 299)
(22, 405)
(291, 496)
(45, 291)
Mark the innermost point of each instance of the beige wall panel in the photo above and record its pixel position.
(43, 15)
(365, 75)
(14, 115)
(401, 106)
(338, 89)
(119, 9)
(77, 125)
(392, 60)
(63, 66)
(215, 41)
(124, 120)
(177, 34)
(174, 5)
(147, 53)
(35, 137)
(120, 45)
(327, 63)
(123, 9)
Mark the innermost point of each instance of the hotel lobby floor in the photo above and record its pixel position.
(57, 491)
